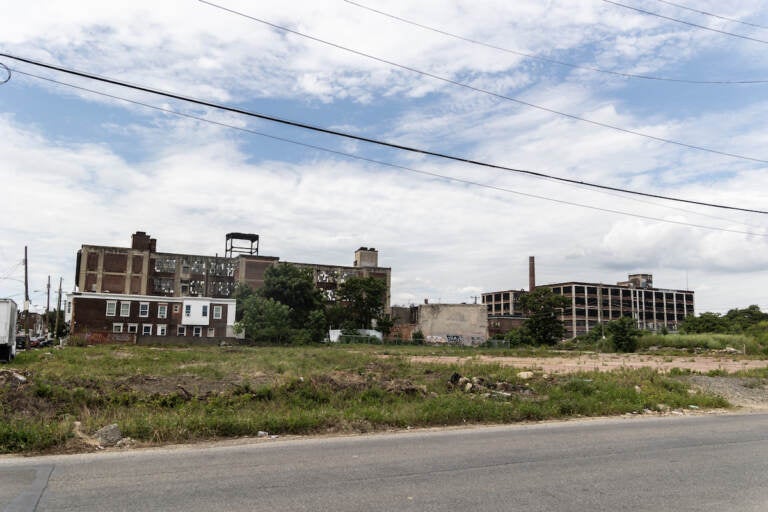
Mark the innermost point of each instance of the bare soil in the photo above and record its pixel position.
(607, 362)
(748, 394)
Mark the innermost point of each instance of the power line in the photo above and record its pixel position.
(490, 93)
(360, 138)
(705, 13)
(389, 164)
(344, 154)
(554, 61)
(650, 13)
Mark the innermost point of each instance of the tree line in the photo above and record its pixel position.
(289, 308)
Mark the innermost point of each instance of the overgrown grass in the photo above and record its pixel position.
(174, 395)
(740, 342)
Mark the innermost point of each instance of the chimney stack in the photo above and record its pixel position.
(531, 274)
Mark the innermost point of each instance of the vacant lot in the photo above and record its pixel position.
(609, 362)
(171, 395)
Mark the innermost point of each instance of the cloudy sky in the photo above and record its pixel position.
(83, 168)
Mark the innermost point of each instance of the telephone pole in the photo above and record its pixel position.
(47, 307)
(26, 295)
(58, 312)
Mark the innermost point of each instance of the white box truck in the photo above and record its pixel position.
(7, 330)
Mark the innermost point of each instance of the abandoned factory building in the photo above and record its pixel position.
(111, 278)
(592, 304)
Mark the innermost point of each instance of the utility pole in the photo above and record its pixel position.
(58, 312)
(26, 295)
(47, 307)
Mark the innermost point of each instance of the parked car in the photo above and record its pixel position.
(22, 341)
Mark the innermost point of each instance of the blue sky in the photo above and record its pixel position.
(80, 168)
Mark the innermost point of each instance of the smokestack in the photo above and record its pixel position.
(531, 273)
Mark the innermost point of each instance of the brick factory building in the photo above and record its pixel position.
(108, 317)
(140, 274)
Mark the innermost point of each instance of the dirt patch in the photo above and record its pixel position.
(605, 362)
(751, 394)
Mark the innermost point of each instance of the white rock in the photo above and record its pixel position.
(525, 375)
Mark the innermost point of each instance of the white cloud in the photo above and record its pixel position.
(188, 183)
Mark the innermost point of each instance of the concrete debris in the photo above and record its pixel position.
(13, 378)
(109, 435)
(262, 433)
(125, 442)
(482, 388)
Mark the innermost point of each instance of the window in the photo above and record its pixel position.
(162, 329)
(211, 332)
(175, 308)
(133, 328)
(69, 307)
(117, 327)
(125, 309)
(162, 311)
(217, 312)
(111, 307)
(182, 330)
(146, 329)
(187, 310)
(197, 331)
(143, 309)
(205, 310)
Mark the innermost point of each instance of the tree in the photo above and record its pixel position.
(624, 334)
(51, 320)
(384, 324)
(740, 320)
(543, 325)
(364, 297)
(241, 294)
(294, 287)
(705, 322)
(517, 337)
(265, 320)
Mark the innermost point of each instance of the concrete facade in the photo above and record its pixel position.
(592, 304)
(653, 309)
(456, 324)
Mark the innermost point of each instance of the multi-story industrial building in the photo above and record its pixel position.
(141, 270)
(653, 309)
(592, 304)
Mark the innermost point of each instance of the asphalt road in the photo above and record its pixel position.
(696, 463)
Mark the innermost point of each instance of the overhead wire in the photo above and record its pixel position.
(690, 24)
(350, 155)
(489, 93)
(705, 13)
(389, 164)
(554, 61)
(361, 138)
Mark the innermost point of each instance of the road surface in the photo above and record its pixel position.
(697, 463)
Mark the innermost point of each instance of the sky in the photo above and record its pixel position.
(79, 167)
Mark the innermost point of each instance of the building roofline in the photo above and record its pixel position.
(145, 298)
(606, 285)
